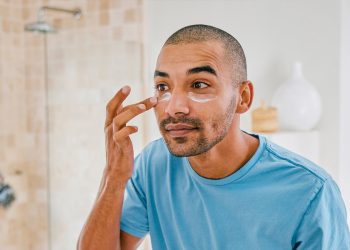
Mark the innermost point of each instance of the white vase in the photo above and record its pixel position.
(298, 102)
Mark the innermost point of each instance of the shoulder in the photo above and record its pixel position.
(306, 183)
(292, 174)
(294, 162)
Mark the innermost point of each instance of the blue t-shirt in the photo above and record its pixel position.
(277, 200)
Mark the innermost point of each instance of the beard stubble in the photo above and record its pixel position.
(183, 147)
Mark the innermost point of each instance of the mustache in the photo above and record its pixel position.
(186, 120)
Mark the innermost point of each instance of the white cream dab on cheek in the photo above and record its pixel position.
(201, 98)
(165, 97)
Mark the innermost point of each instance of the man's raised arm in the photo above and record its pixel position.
(102, 228)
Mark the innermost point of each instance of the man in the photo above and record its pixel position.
(206, 184)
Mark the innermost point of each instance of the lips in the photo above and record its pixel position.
(179, 129)
(178, 126)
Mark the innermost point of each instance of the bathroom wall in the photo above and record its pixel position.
(23, 152)
(61, 148)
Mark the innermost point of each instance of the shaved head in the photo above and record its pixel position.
(202, 33)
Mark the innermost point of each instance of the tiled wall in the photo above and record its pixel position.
(23, 152)
(88, 60)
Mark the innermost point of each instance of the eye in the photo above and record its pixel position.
(200, 85)
(161, 87)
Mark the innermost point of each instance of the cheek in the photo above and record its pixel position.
(159, 111)
(214, 113)
(230, 99)
(206, 112)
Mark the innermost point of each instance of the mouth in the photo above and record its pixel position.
(179, 129)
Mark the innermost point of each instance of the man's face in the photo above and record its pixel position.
(196, 96)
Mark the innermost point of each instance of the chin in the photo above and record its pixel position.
(182, 153)
(184, 146)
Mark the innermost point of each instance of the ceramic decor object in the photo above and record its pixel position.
(298, 102)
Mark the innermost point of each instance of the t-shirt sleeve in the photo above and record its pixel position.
(134, 219)
(324, 224)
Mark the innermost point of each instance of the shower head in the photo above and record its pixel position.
(43, 27)
(40, 27)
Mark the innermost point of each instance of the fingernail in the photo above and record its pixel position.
(125, 89)
(141, 106)
(153, 100)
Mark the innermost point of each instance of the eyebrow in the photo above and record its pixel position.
(195, 70)
(200, 69)
(160, 73)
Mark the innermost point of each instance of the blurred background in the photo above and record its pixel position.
(59, 68)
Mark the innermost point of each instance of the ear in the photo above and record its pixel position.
(245, 97)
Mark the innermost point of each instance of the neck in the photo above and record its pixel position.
(226, 157)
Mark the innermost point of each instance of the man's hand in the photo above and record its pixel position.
(119, 149)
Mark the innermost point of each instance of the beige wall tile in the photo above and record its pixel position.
(104, 18)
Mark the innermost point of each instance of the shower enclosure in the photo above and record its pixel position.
(59, 66)
(41, 26)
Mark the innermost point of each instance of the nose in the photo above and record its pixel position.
(177, 105)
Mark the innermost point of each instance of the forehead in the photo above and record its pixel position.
(187, 55)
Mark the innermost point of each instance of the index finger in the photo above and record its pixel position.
(131, 111)
(115, 103)
(148, 102)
